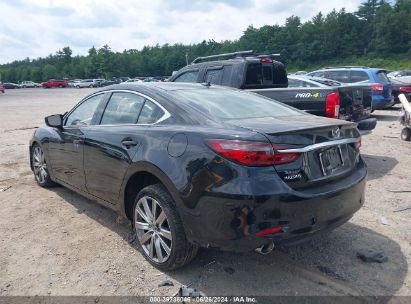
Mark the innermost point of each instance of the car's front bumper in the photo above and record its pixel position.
(231, 223)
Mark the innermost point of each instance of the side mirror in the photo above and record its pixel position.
(55, 121)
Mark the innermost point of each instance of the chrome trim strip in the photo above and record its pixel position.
(164, 117)
(321, 145)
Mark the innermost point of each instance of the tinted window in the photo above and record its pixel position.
(123, 108)
(267, 72)
(227, 72)
(357, 76)
(83, 114)
(382, 76)
(254, 74)
(231, 104)
(190, 76)
(341, 76)
(317, 74)
(214, 76)
(150, 113)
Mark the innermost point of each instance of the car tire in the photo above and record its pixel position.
(41, 173)
(160, 238)
(91, 86)
(406, 134)
(78, 87)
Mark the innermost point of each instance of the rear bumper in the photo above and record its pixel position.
(380, 102)
(230, 222)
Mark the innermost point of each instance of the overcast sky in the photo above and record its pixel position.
(30, 28)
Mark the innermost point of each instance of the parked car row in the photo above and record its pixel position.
(236, 160)
(262, 75)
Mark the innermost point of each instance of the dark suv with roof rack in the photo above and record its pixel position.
(244, 71)
(376, 78)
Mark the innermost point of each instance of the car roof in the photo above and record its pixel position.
(164, 86)
(350, 68)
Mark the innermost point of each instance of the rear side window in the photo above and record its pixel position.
(190, 76)
(357, 76)
(122, 108)
(150, 113)
(341, 76)
(214, 76)
(227, 72)
(382, 76)
(317, 74)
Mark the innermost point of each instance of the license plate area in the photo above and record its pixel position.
(331, 160)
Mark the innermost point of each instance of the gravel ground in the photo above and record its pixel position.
(55, 242)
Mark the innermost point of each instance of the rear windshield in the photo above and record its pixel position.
(226, 104)
(265, 75)
(382, 76)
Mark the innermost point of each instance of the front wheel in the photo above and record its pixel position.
(406, 134)
(159, 230)
(41, 173)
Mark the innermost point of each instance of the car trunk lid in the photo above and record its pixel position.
(327, 148)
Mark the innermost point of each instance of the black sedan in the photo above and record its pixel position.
(194, 165)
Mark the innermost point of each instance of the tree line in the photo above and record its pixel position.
(378, 29)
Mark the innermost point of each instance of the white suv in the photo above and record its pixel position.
(85, 83)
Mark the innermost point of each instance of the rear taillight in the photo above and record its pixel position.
(332, 105)
(267, 60)
(377, 87)
(405, 89)
(269, 231)
(251, 153)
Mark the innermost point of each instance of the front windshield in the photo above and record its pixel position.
(232, 104)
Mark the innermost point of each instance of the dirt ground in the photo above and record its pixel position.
(55, 242)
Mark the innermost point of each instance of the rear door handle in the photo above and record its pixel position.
(128, 143)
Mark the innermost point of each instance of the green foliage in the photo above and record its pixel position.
(377, 35)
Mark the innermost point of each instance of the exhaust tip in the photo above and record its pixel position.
(265, 249)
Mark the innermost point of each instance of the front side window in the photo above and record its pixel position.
(122, 108)
(83, 114)
(190, 76)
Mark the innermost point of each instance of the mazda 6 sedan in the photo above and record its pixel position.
(197, 165)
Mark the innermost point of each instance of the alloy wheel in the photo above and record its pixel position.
(39, 165)
(152, 229)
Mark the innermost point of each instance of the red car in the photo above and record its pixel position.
(1, 87)
(53, 83)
